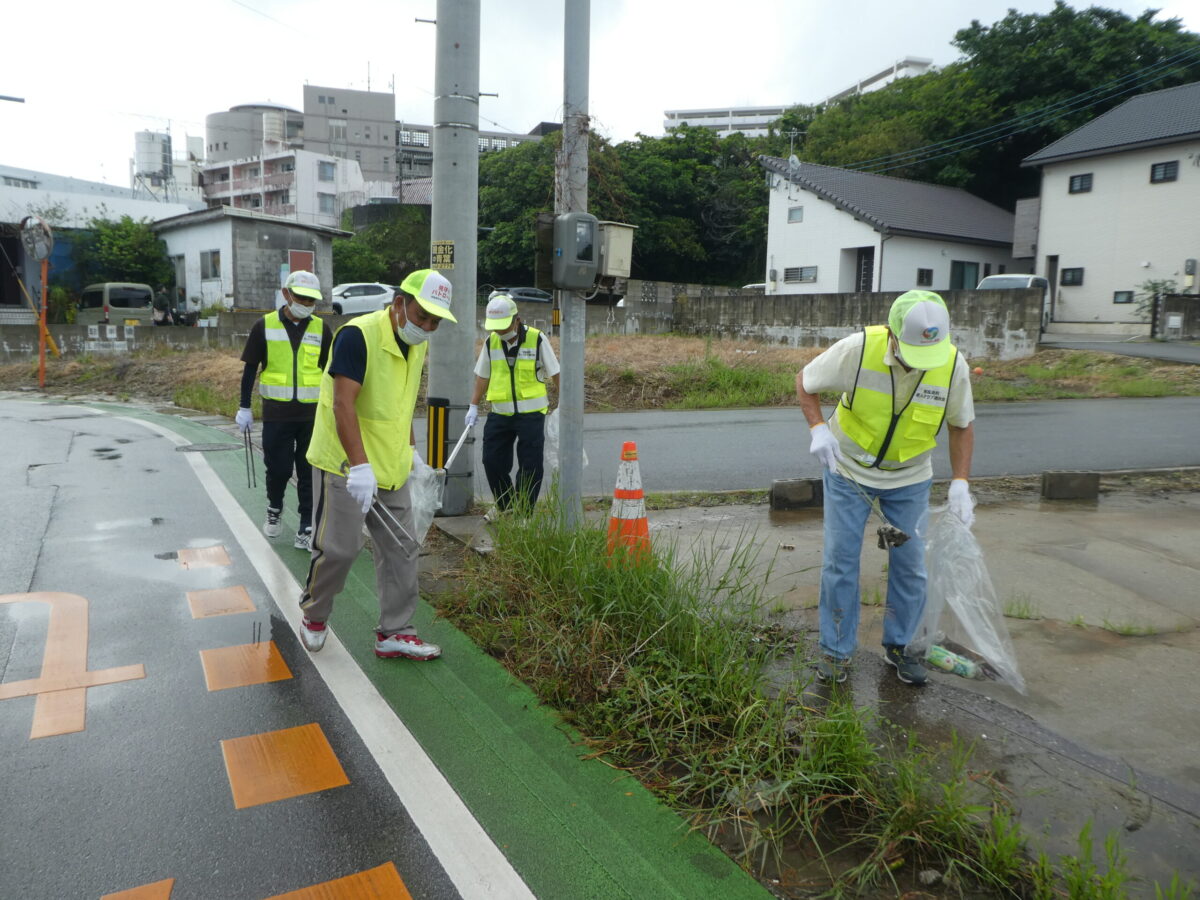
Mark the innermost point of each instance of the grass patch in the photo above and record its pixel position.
(667, 667)
(1129, 629)
(712, 384)
(1021, 606)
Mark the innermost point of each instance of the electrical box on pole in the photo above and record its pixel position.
(576, 253)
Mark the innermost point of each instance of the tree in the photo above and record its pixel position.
(122, 250)
(354, 261)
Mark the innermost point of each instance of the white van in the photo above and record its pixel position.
(115, 303)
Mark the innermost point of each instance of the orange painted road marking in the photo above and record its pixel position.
(160, 890)
(61, 690)
(381, 883)
(276, 765)
(219, 602)
(203, 557)
(230, 667)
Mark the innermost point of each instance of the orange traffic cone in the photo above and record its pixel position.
(627, 525)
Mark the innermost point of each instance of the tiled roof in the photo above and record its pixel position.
(895, 205)
(1160, 117)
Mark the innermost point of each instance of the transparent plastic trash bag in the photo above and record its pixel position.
(550, 448)
(961, 605)
(425, 487)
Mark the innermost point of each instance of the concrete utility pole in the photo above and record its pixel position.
(571, 195)
(454, 225)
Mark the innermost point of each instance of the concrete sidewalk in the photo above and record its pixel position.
(1103, 614)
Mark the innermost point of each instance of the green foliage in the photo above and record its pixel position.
(122, 250)
(353, 260)
(60, 306)
(385, 251)
(514, 186)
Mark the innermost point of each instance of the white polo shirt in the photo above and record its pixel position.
(837, 369)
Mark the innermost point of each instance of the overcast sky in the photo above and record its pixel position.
(92, 74)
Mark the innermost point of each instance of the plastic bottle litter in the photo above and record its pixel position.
(952, 662)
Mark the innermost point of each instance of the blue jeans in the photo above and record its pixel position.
(846, 514)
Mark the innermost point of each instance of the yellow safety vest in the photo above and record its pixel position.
(288, 375)
(870, 431)
(384, 406)
(516, 380)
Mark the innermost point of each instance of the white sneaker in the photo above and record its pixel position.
(272, 526)
(313, 634)
(408, 646)
(303, 539)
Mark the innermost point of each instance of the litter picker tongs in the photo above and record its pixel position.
(889, 535)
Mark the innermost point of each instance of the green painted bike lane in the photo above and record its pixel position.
(571, 827)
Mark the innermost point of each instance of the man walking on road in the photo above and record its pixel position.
(291, 346)
(898, 382)
(512, 367)
(362, 452)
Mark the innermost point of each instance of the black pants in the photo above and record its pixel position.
(528, 430)
(285, 448)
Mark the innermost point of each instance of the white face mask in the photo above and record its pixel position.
(411, 333)
(299, 310)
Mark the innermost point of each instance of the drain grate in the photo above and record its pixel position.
(205, 448)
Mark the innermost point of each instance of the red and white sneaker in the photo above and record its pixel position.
(408, 646)
(312, 634)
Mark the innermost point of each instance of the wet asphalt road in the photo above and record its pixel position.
(748, 449)
(100, 507)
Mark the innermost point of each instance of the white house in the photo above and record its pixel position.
(839, 231)
(1120, 206)
(231, 257)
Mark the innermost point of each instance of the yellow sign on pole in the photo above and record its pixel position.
(442, 255)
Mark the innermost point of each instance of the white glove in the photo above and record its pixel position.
(825, 447)
(244, 419)
(962, 504)
(472, 415)
(417, 462)
(361, 484)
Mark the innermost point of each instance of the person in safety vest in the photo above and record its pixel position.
(291, 346)
(512, 367)
(362, 453)
(898, 383)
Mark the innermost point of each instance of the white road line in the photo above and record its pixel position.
(469, 857)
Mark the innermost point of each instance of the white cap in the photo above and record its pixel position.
(921, 325)
(431, 290)
(500, 312)
(304, 284)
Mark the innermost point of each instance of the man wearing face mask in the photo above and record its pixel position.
(898, 383)
(291, 346)
(513, 367)
(362, 452)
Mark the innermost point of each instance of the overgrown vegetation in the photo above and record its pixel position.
(637, 372)
(668, 668)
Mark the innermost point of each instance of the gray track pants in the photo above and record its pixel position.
(337, 539)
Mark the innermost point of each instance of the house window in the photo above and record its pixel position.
(924, 277)
(800, 275)
(1072, 276)
(1080, 184)
(325, 171)
(210, 264)
(1163, 172)
(963, 275)
(1122, 296)
(499, 143)
(483, 145)
(337, 130)
(325, 203)
(795, 214)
